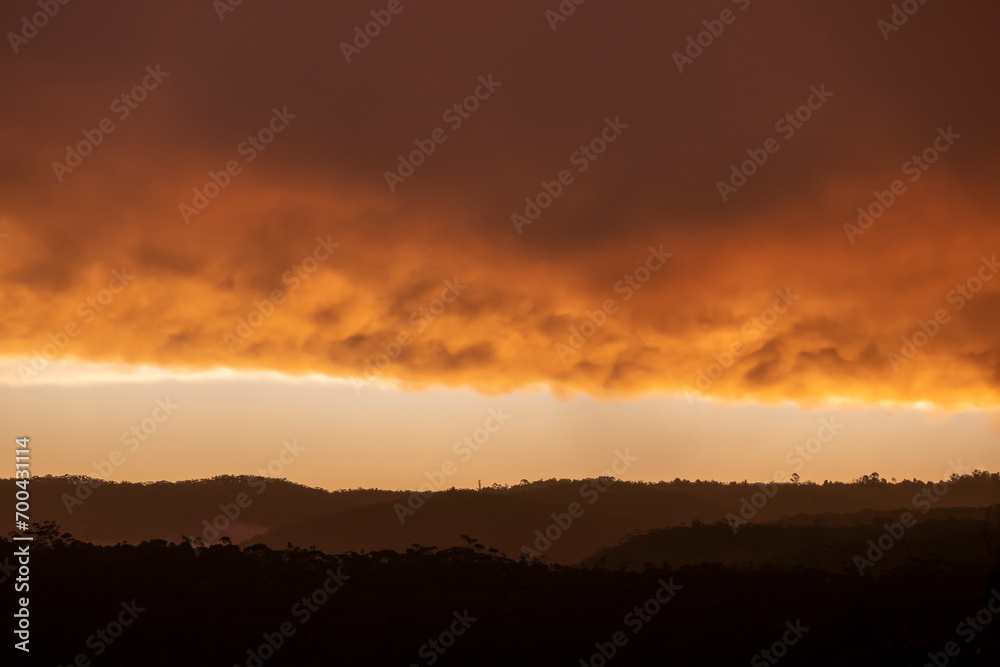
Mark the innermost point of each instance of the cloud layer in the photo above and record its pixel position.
(773, 290)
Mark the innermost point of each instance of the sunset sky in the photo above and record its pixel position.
(622, 238)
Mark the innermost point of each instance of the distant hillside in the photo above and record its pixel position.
(505, 520)
(276, 512)
(954, 536)
(133, 512)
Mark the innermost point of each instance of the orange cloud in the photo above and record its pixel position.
(572, 302)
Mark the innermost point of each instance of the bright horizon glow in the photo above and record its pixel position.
(387, 437)
(73, 372)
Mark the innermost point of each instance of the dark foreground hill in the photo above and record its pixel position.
(563, 520)
(867, 542)
(159, 604)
